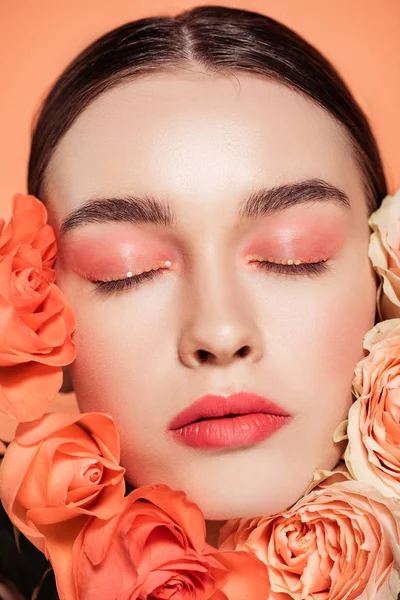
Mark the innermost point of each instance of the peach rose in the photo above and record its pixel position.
(37, 323)
(58, 468)
(384, 252)
(156, 548)
(340, 541)
(373, 430)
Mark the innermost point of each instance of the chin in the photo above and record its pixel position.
(236, 502)
(251, 483)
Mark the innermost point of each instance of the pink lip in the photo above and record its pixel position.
(260, 419)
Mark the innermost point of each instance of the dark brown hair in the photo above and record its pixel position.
(221, 40)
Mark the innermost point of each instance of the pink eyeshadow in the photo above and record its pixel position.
(310, 238)
(111, 251)
(116, 252)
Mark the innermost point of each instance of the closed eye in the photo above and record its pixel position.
(119, 285)
(311, 269)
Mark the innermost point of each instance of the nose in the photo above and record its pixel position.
(219, 326)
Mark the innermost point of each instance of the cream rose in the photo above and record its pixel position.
(339, 542)
(384, 252)
(373, 430)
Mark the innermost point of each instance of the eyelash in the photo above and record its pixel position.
(310, 269)
(119, 285)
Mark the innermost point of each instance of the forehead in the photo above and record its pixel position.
(192, 135)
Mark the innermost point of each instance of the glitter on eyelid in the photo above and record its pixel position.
(271, 259)
(93, 277)
(291, 261)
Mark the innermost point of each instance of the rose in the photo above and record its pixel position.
(59, 468)
(28, 225)
(63, 402)
(156, 548)
(37, 323)
(373, 430)
(384, 252)
(35, 335)
(340, 541)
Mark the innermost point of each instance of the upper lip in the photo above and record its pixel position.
(214, 405)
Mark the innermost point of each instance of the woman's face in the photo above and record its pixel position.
(209, 321)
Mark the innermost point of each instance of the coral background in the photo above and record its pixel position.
(39, 37)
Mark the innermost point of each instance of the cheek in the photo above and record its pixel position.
(350, 314)
(123, 346)
(318, 332)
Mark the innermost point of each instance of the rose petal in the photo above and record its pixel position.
(26, 391)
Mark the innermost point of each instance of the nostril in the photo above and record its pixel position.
(203, 355)
(244, 351)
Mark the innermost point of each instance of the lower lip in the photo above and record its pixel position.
(225, 432)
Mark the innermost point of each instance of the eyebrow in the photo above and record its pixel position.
(147, 209)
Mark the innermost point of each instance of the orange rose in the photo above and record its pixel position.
(28, 225)
(58, 468)
(156, 548)
(340, 541)
(384, 252)
(373, 451)
(64, 402)
(36, 324)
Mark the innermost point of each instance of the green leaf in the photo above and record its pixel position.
(36, 591)
(17, 535)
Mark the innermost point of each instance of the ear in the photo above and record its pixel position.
(67, 385)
